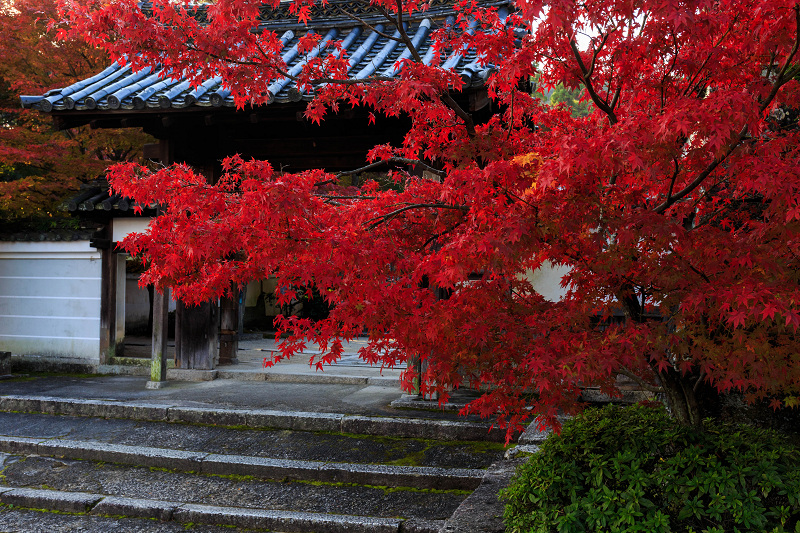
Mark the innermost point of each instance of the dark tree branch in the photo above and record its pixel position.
(436, 236)
(445, 97)
(782, 75)
(691, 82)
(368, 25)
(586, 73)
(377, 221)
(780, 80)
(674, 177)
(391, 160)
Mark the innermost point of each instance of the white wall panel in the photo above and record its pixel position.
(546, 280)
(50, 299)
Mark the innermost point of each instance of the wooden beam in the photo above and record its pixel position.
(161, 151)
(478, 100)
(152, 151)
(105, 123)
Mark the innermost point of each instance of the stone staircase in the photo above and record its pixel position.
(94, 465)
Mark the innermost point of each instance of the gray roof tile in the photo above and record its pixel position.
(370, 52)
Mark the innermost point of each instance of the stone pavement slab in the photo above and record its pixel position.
(104, 396)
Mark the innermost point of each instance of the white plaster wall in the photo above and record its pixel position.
(137, 303)
(122, 227)
(50, 299)
(546, 280)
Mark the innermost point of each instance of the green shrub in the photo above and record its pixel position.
(633, 469)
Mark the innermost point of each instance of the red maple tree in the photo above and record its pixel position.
(674, 203)
(40, 166)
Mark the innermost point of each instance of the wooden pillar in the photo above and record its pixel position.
(196, 336)
(196, 327)
(229, 328)
(119, 306)
(108, 299)
(158, 362)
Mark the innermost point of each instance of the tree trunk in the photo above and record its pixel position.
(689, 398)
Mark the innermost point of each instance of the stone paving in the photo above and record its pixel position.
(282, 449)
(254, 348)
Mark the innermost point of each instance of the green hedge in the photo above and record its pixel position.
(632, 469)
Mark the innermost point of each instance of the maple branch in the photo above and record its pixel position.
(776, 85)
(349, 197)
(445, 97)
(376, 221)
(615, 100)
(586, 75)
(674, 177)
(436, 236)
(782, 78)
(595, 53)
(261, 50)
(368, 25)
(392, 160)
(700, 69)
(700, 379)
(670, 69)
(347, 81)
(691, 267)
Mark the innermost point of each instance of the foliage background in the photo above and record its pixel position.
(40, 166)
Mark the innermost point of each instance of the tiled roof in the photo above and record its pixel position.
(94, 196)
(370, 53)
(48, 236)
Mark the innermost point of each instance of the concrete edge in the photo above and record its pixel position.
(256, 418)
(521, 449)
(422, 428)
(483, 510)
(323, 379)
(413, 401)
(122, 366)
(422, 477)
(70, 502)
(185, 461)
(288, 521)
(415, 525)
(183, 374)
(136, 508)
(533, 435)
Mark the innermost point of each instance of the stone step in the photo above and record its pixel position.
(139, 491)
(120, 464)
(256, 418)
(21, 520)
(322, 447)
(83, 503)
(258, 467)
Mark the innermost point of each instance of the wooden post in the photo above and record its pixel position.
(196, 336)
(229, 328)
(119, 320)
(108, 299)
(158, 362)
(242, 296)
